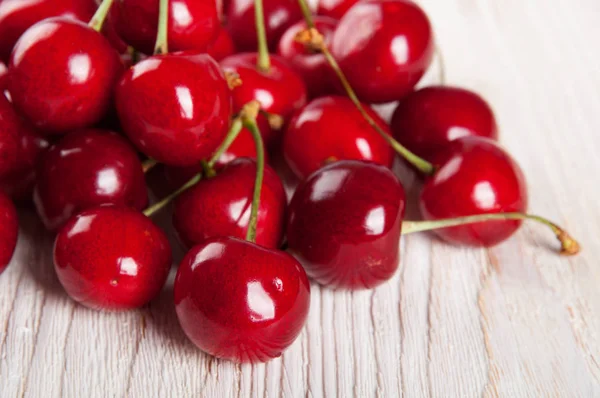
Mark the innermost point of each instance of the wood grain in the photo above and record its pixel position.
(515, 320)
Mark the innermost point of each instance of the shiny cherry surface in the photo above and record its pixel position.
(334, 8)
(112, 258)
(86, 169)
(331, 128)
(3, 78)
(193, 24)
(311, 66)
(384, 47)
(475, 176)
(9, 230)
(279, 15)
(426, 120)
(345, 222)
(240, 301)
(175, 108)
(61, 75)
(222, 47)
(16, 16)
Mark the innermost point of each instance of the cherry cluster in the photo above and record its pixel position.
(96, 98)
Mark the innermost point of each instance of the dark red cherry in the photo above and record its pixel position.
(239, 301)
(279, 15)
(112, 258)
(475, 176)
(86, 169)
(280, 91)
(220, 206)
(426, 120)
(175, 108)
(312, 66)
(9, 230)
(345, 222)
(222, 47)
(3, 78)
(331, 128)
(193, 24)
(61, 75)
(384, 47)
(334, 8)
(16, 16)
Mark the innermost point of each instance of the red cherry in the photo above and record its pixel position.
(9, 230)
(345, 222)
(426, 120)
(384, 47)
(192, 25)
(332, 128)
(280, 91)
(312, 66)
(475, 176)
(334, 8)
(16, 16)
(3, 78)
(239, 301)
(61, 75)
(175, 108)
(220, 206)
(86, 169)
(279, 15)
(112, 258)
(222, 47)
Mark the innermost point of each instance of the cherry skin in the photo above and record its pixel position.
(220, 206)
(222, 47)
(16, 16)
(112, 258)
(345, 222)
(239, 301)
(426, 120)
(3, 77)
(175, 108)
(279, 15)
(312, 66)
(9, 230)
(384, 47)
(335, 130)
(61, 75)
(193, 24)
(334, 8)
(86, 169)
(475, 176)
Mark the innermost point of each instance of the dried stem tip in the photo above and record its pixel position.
(233, 80)
(311, 38)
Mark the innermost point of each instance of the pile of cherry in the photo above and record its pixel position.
(93, 96)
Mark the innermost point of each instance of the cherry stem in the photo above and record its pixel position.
(100, 15)
(442, 73)
(148, 164)
(569, 246)
(264, 62)
(234, 132)
(318, 42)
(150, 211)
(162, 44)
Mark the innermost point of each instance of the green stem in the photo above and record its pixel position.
(260, 170)
(99, 17)
(421, 164)
(158, 206)
(162, 44)
(234, 131)
(148, 164)
(263, 62)
(569, 245)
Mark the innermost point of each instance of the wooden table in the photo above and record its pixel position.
(515, 320)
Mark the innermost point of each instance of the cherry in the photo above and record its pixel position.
(16, 16)
(112, 258)
(475, 176)
(3, 77)
(174, 108)
(9, 230)
(220, 206)
(61, 75)
(334, 8)
(345, 222)
(335, 130)
(239, 301)
(86, 169)
(311, 65)
(279, 15)
(192, 24)
(426, 120)
(222, 47)
(383, 47)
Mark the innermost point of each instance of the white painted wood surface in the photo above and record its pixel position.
(515, 320)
